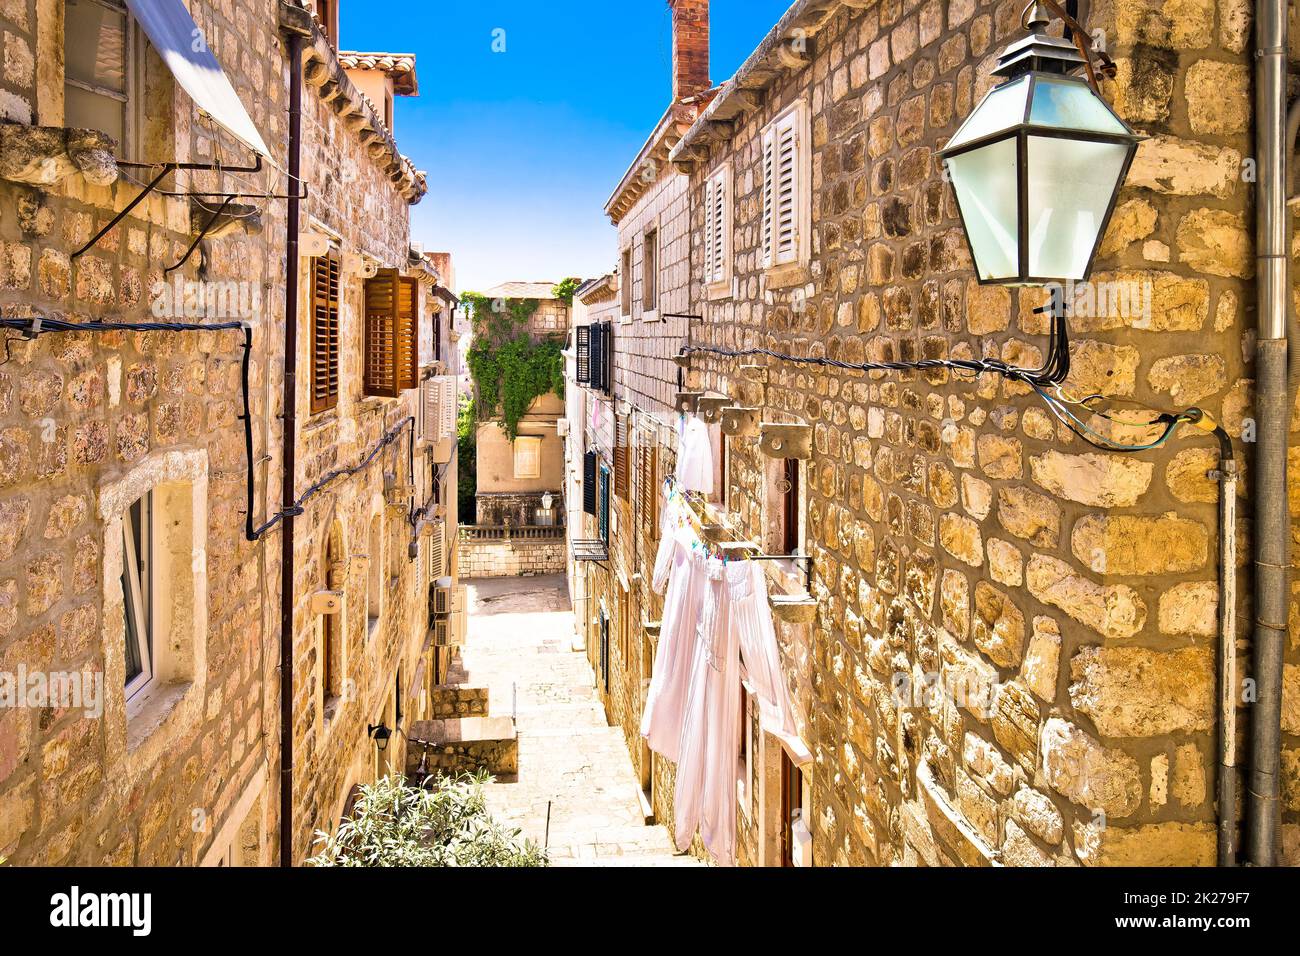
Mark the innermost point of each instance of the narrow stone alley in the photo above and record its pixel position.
(519, 646)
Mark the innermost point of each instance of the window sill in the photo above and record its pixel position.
(148, 710)
(715, 291)
(320, 420)
(650, 315)
(788, 275)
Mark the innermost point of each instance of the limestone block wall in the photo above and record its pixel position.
(957, 531)
(511, 558)
(453, 700)
(960, 537)
(86, 418)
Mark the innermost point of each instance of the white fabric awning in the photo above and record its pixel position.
(184, 49)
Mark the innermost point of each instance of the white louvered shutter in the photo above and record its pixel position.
(720, 243)
(709, 254)
(437, 550)
(431, 393)
(769, 190)
(786, 196)
(447, 407)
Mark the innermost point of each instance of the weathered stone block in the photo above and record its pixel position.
(1137, 692)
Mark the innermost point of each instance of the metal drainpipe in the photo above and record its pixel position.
(289, 439)
(1227, 476)
(1272, 520)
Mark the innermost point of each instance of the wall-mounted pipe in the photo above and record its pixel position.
(1229, 684)
(288, 440)
(1272, 556)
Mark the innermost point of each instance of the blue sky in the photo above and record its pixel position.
(523, 147)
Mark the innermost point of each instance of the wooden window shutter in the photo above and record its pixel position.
(380, 334)
(769, 176)
(408, 333)
(391, 334)
(715, 213)
(652, 470)
(582, 344)
(647, 486)
(597, 355)
(589, 483)
(603, 515)
(437, 550)
(607, 363)
(786, 198)
(720, 243)
(709, 253)
(324, 333)
(622, 464)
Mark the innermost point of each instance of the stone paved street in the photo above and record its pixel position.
(519, 646)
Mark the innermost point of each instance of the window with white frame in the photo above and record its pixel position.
(528, 456)
(137, 593)
(650, 272)
(717, 232)
(154, 594)
(625, 283)
(783, 227)
(103, 62)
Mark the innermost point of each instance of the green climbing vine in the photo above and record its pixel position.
(509, 367)
(564, 290)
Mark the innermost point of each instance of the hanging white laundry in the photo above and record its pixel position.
(705, 795)
(695, 458)
(661, 719)
(761, 665)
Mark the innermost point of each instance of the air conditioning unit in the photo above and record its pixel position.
(441, 632)
(439, 600)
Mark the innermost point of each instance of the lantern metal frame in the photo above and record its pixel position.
(1037, 50)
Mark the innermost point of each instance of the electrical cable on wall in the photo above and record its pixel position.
(1045, 382)
(42, 325)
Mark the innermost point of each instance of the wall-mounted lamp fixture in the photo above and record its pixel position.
(1038, 165)
(379, 733)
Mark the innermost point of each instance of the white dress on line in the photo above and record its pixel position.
(735, 623)
(705, 795)
(680, 566)
(695, 457)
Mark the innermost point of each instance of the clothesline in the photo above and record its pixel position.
(717, 623)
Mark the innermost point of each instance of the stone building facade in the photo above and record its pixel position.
(92, 422)
(959, 537)
(513, 475)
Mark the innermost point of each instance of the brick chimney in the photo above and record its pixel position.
(690, 47)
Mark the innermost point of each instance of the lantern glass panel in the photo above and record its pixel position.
(1071, 183)
(985, 181)
(1003, 108)
(1071, 104)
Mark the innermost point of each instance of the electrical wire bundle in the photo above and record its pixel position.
(1045, 382)
(42, 324)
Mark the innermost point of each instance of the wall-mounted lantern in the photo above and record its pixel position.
(379, 733)
(1038, 165)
